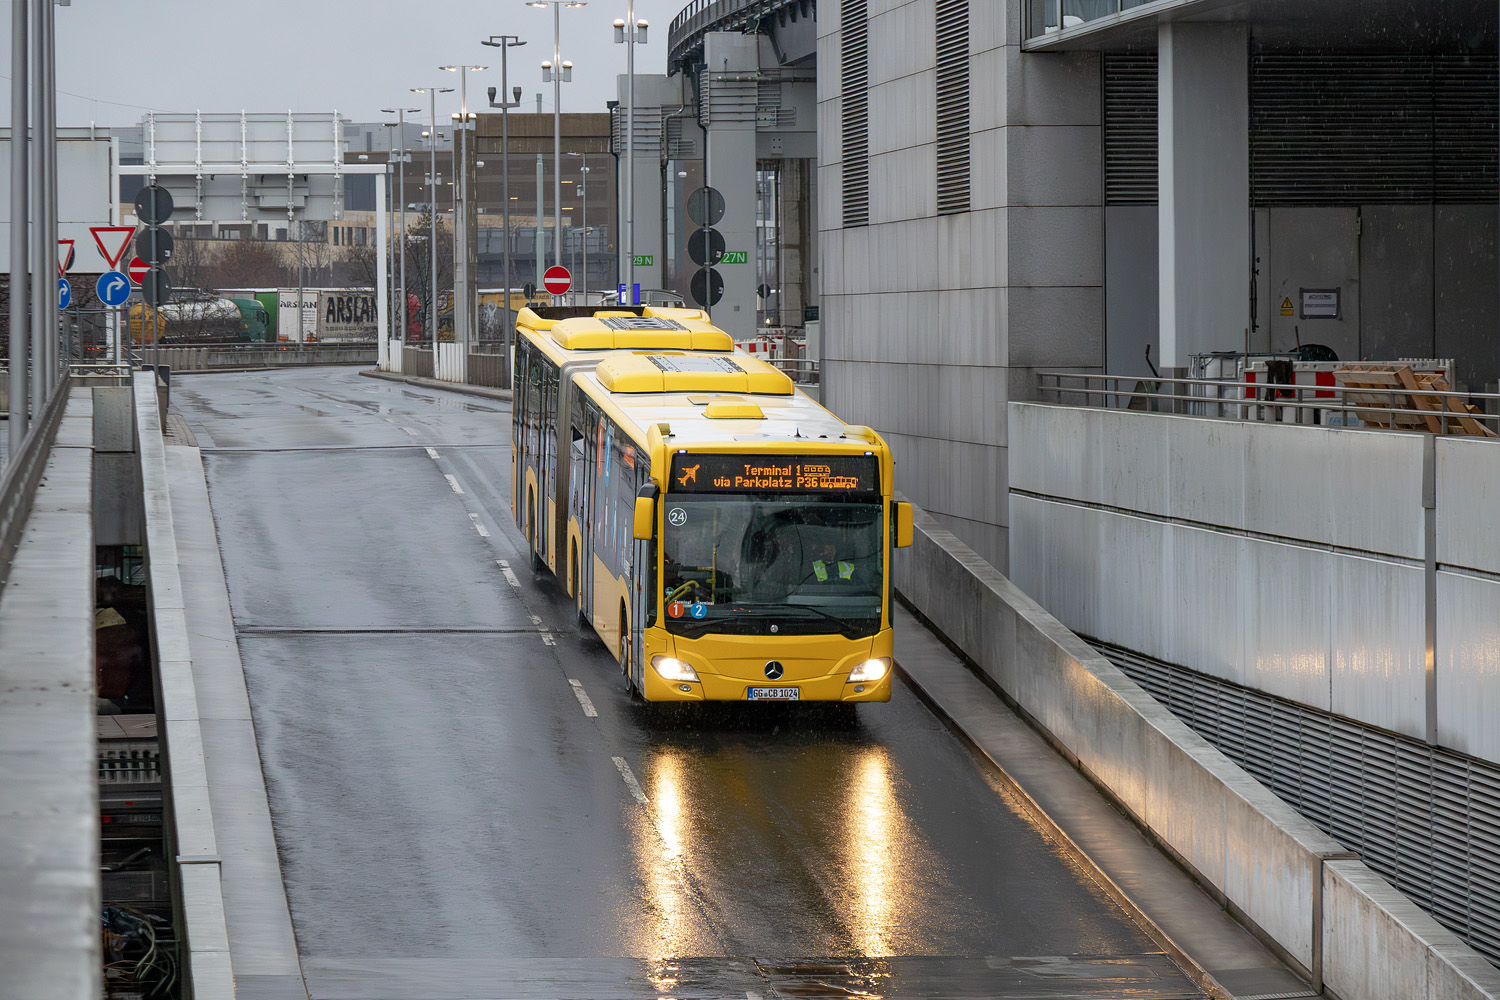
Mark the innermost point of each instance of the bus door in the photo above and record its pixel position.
(570, 453)
(588, 426)
(546, 474)
(641, 574)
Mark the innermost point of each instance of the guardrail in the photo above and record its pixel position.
(698, 16)
(802, 371)
(23, 471)
(1327, 405)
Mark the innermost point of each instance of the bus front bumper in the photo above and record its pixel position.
(812, 669)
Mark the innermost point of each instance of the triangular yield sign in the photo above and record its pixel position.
(112, 236)
(64, 256)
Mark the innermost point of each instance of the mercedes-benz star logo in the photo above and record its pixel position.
(774, 670)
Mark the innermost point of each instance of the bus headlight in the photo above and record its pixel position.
(673, 669)
(870, 670)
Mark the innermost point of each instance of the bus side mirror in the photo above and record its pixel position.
(645, 518)
(903, 519)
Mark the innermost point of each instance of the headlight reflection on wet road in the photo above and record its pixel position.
(872, 810)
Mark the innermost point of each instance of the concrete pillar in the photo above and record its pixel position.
(655, 95)
(1204, 181)
(730, 63)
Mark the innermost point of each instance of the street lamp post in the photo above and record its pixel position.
(504, 43)
(432, 137)
(583, 202)
(630, 31)
(401, 114)
(463, 332)
(557, 71)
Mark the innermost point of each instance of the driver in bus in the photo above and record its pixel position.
(828, 568)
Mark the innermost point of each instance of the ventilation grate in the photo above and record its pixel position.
(952, 106)
(640, 323)
(1424, 817)
(1330, 129)
(1130, 137)
(856, 118)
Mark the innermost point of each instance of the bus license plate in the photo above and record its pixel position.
(772, 694)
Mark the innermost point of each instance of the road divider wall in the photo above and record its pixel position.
(196, 865)
(1342, 925)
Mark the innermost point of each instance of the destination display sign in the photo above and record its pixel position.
(840, 474)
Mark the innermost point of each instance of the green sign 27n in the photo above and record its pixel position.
(734, 257)
(643, 260)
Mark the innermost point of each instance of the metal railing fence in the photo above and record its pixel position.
(1273, 402)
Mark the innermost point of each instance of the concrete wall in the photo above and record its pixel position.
(187, 359)
(192, 841)
(1287, 559)
(1347, 928)
(49, 767)
(117, 475)
(1468, 597)
(931, 323)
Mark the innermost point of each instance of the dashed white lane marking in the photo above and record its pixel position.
(549, 638)
(483, 531)
(630, 782)
(409, 431)
(432, 454)
(454, 483)
(510, 576)
(583, 699)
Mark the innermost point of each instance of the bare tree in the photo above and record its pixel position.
(248, 264)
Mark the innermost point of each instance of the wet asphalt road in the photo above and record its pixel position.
(468, 805)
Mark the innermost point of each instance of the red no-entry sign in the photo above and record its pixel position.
(137, 269)
(557, 279)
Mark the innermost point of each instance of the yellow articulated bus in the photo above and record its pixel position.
(724, 534)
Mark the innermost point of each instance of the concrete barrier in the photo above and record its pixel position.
(189, 817)
(489, 370)
(417, 361)
(187, 359)
(1294, 886)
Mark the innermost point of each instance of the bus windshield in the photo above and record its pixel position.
(758, 565)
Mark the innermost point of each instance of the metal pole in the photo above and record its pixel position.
(505, 190)
(20, 319)
(583, 201)
(630, 149)
(432, 233)
(401, 185)
(540, 233)
(557, 134)
(461, 211)
(41, 268)
(49, 203)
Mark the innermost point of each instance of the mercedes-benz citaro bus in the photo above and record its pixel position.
(727, 537)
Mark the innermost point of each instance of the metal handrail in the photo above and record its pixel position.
(1256, 405)
(694, 19)
(22, 473)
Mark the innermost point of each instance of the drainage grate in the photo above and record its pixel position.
(1424, 817)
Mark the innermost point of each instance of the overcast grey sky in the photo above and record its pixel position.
(118, 59)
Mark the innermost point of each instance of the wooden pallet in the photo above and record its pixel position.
(1390, 388)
